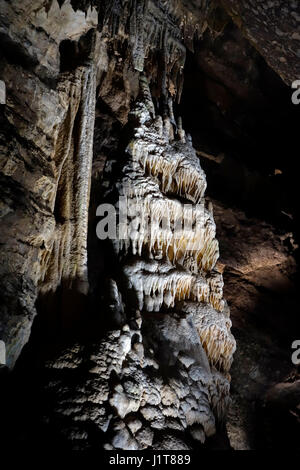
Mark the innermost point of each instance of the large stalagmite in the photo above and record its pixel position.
(173, 272)
(157, 375)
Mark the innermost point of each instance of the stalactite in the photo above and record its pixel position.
(181, 131)
(161, 284)
(139, 8)
(213, 326)
(146, 95)
(184, 234)
(176, 166)
(67, 256)
(150, 26)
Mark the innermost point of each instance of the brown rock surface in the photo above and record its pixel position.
(259, 274)
(273, 28)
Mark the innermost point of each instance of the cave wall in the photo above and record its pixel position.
(47, 153)
(273, 28)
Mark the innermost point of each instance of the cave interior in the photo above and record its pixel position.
(236, 108)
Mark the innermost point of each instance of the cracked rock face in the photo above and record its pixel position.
(127, 344)
(273, 28)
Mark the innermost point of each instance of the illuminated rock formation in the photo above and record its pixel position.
(57, 137)
(173, 273)
(66, 257)
(160, 380)
(146, 363)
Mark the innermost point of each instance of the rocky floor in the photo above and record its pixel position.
(260, 285)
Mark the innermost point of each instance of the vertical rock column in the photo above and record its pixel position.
(45, 211)
(66, 259)
(171, 274)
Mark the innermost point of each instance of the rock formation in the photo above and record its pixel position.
(90, 95)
